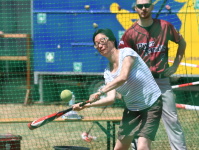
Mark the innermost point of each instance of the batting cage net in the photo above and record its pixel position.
(47, 47)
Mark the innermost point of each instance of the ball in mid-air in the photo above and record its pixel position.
(66, 95)
(87, 7)
(95, 25)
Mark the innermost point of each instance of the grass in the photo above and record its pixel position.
(69, 133)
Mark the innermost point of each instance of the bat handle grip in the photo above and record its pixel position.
(84, 103)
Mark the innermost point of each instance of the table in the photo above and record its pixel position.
(109, 130)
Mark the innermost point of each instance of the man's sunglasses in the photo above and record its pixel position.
(140, 6)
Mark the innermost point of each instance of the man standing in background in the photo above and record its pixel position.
(149, 38)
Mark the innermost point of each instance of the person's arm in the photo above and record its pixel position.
(179, 55)
(110, 87)
(108, 100)
(180, 52)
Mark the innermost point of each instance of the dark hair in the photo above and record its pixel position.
(106, 32)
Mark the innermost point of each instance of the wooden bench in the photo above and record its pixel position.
(109, 130)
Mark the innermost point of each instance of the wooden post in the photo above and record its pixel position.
(28, 66)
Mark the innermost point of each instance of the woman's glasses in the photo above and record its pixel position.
(140, 6)
(102, 42)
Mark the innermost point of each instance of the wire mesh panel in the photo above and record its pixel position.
(47, 46)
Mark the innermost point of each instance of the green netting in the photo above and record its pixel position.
(46, 47)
